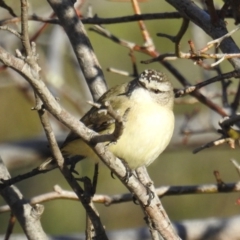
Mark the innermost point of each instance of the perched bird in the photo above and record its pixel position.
(146, 103)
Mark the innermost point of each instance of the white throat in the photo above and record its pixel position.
(141, 95)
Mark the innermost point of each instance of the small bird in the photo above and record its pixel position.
(146, 103)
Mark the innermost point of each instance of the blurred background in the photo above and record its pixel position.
(23, 145)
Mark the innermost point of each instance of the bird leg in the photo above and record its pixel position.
(144, 178)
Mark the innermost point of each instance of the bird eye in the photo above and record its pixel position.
(156, 91)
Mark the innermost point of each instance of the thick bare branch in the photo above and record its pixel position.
(28, 216)
(82, 47)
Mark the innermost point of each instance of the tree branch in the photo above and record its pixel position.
(27, 215)
(82, 47)
(201, 18)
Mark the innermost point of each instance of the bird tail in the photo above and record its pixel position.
(50, 163)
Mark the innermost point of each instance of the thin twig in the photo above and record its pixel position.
(108, 200)
(24, 29)
(11, 224)
(236, 165)
(9, 9)
(212, 12)
(235, 103)
(216, 142)
(98, 20)
(190, 89)
(134, 64)
(218, 41)
(148, 43)
(6, 28)
(178, 37)
(120, 72)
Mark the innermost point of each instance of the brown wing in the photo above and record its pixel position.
(97, 119)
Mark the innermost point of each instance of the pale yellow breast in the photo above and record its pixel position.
(147, 132)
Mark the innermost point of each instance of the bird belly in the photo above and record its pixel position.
(147, 132)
